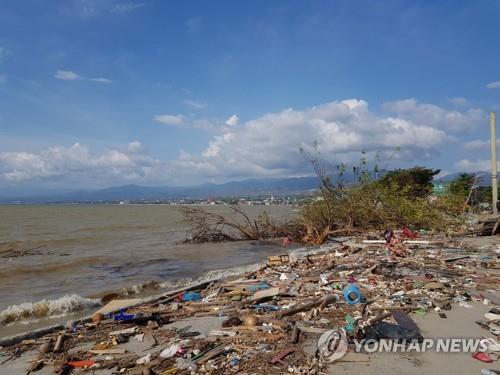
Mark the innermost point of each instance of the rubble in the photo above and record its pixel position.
(259, 323)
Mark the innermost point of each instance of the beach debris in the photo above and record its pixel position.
(279, 358)
(352, 294)
(97, 317)
(44, 348)
(262, 295)
(170, 351)
(231, 322)
(483, 357)
(59, 343)
(189, 296)
(251, 320)
(277, 260)
(80, 364)
(357, 287)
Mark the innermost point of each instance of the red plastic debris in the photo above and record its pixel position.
(81, 363)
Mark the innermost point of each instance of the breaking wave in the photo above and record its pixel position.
(211, 276)
(46, 308)
(68, 304)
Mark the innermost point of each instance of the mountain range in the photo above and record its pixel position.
(245, 188)
(232, 189)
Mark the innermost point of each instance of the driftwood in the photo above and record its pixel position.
(207, 226)
(308, 306)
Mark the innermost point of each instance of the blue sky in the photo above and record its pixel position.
(102, 92)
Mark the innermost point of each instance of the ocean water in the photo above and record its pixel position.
(75, 254)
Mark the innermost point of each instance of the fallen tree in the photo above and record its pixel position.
(209, 226)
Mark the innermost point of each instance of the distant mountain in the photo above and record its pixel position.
(484, 177)
(233, 189)
(245, 188)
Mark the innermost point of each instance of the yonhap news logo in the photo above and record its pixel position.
(334, 344)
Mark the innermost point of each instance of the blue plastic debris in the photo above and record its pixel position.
(191, 296)
(234, 361)
(121, 316)
(352, 294)
(349, 327)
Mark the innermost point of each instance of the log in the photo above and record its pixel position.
(308, 306)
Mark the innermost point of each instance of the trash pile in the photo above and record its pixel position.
(295, 314)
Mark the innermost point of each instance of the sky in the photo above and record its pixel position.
(96, 93)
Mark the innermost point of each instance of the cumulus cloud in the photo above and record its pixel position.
(195, 104)
(493, 85)
(270, 145)
(232, 120)
(478, 165)
(266, 146)
(173, 120)
(436, 117)
(68, 75)
(76, 163)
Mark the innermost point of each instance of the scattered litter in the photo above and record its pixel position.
(369, 287)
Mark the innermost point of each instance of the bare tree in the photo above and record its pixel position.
(207, 226)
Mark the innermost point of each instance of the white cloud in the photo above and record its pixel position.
(232, 120)
(479, 144)
(493, 85)
(68, 75)
(459, 101)
(478, 165)
(100, 80)
(135, 146)
(269, 145)
(194, 104)
(76, 163)
(436, 117)
(174, 120)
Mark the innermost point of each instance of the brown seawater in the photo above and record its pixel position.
(77, 253)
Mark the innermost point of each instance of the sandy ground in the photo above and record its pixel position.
(459, 324)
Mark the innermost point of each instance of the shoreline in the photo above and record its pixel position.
(315, 272)
(143, 291)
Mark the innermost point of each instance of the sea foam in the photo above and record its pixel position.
(46, 308)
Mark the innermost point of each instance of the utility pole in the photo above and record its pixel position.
(494, 171)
